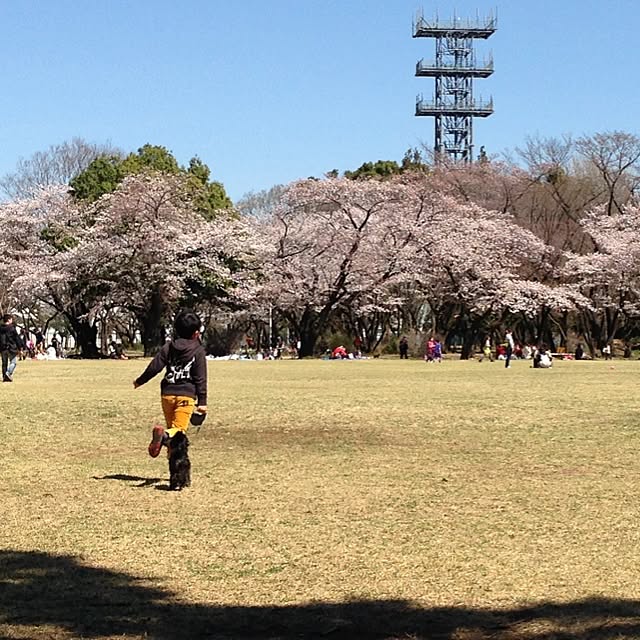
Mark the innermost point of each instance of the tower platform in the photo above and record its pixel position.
(428, 69)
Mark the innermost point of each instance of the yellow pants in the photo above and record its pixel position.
(177, 413)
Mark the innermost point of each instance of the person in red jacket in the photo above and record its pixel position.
(429, 356)
(339, 353)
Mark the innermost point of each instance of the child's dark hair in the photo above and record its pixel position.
(186, 324)
(6, 317)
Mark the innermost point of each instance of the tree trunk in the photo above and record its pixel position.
(469, 337)
(84, 332)
(308, 335)
(85, 335)
(470, 328)
(593, 331)
(308, 332)
(371, 328)
(309, 327)
(151, 329)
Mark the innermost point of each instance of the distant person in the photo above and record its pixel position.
(56, 343)
(437, 351)
(509, 349)
(486, 350)
(24, 342)
(31, 349)
(116, 351)
(579, 354)
(606, 351)
(545, 359)
(39, 341)
(339, 353)
(627, 350)
(403, 347)
(431, 345)
(9, 347)
(60, 348)
(542, 359)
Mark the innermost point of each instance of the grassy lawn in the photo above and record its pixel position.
(371, 499)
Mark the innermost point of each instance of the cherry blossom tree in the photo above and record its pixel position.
(484, 266)
(332, 243)
(149, 250)
(324, 253)
(39, 232)
(610, 275)
(366, 246)
(142, 250)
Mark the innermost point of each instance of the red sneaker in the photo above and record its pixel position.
(157, 439)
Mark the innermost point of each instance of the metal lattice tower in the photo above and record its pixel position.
(454, 69)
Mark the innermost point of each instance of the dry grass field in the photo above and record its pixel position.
(372, 499)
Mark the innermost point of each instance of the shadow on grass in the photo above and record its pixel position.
(144, 482)
(56, 596)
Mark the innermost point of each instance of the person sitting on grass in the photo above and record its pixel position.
(542, 358)
(339, 353)
(185, 380)
(116, 352)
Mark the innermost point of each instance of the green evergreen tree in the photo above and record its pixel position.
(105, 173)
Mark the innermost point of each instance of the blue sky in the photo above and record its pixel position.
(268, 91)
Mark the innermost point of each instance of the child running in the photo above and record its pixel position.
(185, 380)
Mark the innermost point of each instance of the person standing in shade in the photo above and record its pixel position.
(403, 347)
(510, 346)
(9, 347)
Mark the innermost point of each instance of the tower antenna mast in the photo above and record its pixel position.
(453, 105)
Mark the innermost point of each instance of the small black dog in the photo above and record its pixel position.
(179, 463)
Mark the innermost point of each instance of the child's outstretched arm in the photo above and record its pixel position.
(155, 367)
